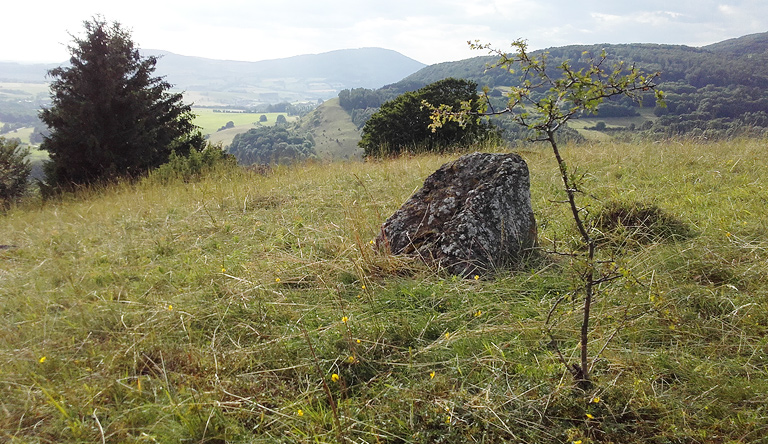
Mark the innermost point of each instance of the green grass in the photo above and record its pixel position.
(209, 121)
(15, 91)
(335, 135)
(218, 311)
(581, 124)
(21, 133)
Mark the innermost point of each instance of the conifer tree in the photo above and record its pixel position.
(110, 117)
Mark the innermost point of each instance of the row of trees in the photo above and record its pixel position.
(272, 145)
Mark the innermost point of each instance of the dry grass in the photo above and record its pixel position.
(190, 312)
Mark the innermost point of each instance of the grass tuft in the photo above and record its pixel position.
(173, 310)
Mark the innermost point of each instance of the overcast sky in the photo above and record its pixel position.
(428, 31)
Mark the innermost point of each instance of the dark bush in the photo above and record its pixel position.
(639, 223)
(14, 171)
(193, 166)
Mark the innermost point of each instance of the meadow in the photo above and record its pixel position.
(252, 308)
(210, 122)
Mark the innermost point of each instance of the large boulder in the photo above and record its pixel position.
(473, 215)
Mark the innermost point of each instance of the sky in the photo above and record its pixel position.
(425, 30)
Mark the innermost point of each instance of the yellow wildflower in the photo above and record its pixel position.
(41, 360)
(299, 412)
(223, 270)
(358, 341)
(431, 375)
(170, 307)
(477, 277)
(344, 319)
(351, 359)
(478, 314)
(590, 416)
(277, 280)
(335, 377)
(447, 335)
(579, 441)
(595, 400)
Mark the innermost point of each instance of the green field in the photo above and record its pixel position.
(583, 123)
(210, 121)
(21, 133)
(15, 91)
(252, 308)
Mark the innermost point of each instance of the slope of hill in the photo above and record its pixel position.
(745, 45)
(243, 307)
(334, 133)
(719, 90)
(24, 72)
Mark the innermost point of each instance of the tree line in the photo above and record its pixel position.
(714, 91)
(277, 144)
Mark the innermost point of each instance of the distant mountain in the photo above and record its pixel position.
(304, 77)
(349, 68)
(675, 62)
(25, 72)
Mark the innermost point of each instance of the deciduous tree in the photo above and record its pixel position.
(402, 124)
(543, 102)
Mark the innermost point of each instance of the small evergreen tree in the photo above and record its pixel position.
(109, 116)
(14, 171)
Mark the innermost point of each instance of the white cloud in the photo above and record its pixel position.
(431, 31)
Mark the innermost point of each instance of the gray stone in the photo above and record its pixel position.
(472, 216)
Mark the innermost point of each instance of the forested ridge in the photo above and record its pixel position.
(711, 91)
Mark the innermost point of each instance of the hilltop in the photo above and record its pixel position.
(244, 307)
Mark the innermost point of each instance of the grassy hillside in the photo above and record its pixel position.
(242, 308)
(335, 135)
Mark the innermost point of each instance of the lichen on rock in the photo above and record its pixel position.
(472, 215)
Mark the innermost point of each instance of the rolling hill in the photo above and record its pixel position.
(227, 82)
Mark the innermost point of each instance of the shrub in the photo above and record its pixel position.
(14, 171)
(639, 223)
(403, 124)
(192, 166)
